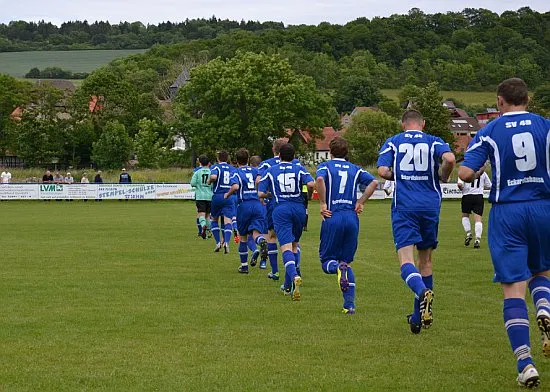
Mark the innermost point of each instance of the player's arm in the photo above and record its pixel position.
(234, 188)
(263, 188)
(475, 158)
(369, 190)
(213, 176)
(194, 180)
(460, 184)
(322, 192)
(449, 162)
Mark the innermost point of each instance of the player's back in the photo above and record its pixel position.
(203, 191)
(223, 171)
(518, 146)
(414, 156)
(245, 177)
(285, 182)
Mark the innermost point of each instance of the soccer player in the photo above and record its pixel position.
(337, 182)
(250, 211)
(411, 158)
(199, 227)
(518, 147)
(472, 201)
(220, 176)
(283, 183)
(203, 193)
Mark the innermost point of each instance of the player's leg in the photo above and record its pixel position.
(215, 213)
(466, 209)
(348, 247)
(283, 224)
(272, 251)
(298, 218)
(257, 226)
(478, 224)
(425, 269)
(227, 231)
(243, 255)
(539, 287)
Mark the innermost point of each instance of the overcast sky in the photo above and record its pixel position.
(287, 11)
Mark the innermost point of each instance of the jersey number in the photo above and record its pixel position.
(287, 182)
(205, 178)
(524, 148)
(416, 157)
(226, 177)
(343, 180)
(250, 179)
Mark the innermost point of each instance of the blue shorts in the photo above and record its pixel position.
(269, 215)
(250, 217)
(339, 237)
(289, 219)
(222, 207)
(415, 228)
(519, 239)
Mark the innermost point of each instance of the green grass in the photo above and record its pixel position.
(117, 296)
(17, 64)
(468, 97)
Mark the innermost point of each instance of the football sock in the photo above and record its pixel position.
(466, 224)
(516, 322)
(478, 226)
(272, 253)
(251, 244)
(199, 226)
(307, 218)
(349, 295)
(290, 264)
(539, 287)
(330, 267)
(412, 278)
(227, 232)
(297, 257)
(259, 239)
(202, 222)
(234, 223)
(243, 253)
(215, 231)
(429, 283)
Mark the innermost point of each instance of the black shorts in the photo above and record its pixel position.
(306, 200)
(203, 206)
(473, 203)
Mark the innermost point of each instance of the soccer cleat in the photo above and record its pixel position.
(285, 290)
(543, 321)
(203, 232)
(343, 276)
(415, 328)
(274, 276)
(263, 249)
(468, 239)
(529, 377)
(236, 236)
(295, 288)
(263, 264)
(209, 234)
(218, 247)
(225, 248)
(476, 243)
(243, 269)
(426, 311)
(348, 311)
(254, 258)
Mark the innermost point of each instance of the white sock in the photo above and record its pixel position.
(466, 225)
(479, 229)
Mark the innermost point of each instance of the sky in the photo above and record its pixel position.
(286, 11)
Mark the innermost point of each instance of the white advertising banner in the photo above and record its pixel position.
(126, 191)
(175, 191)
(18, 191)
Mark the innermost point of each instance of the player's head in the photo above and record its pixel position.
(412, 120)
(339, 147)
(204, 160)
(242, 157)
(286, 152)
(277, 144)
(512, 92)
(255, 160)
(223, 156)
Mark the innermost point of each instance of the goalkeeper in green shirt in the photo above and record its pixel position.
(203, 194)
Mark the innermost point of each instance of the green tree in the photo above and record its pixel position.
(13, 93)
(147, 144)
(248, 100)
(540, 101)
(114, 146)
(367, 133)
(357, 90)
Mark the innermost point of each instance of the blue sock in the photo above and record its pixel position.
(290, 264)
(251, 243)
(272, 253)
(234, 223)
(243, 253)
(516, 322)
(215, 229)
(330, 267)
(199, 225)
(227, 233)
(429, 283)
(539, 287)
(412, 278)
(349, 295)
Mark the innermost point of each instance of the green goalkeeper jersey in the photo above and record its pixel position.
(203, 191)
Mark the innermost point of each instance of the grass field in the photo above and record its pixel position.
(124, 297)
(17, 64)
(468, 97)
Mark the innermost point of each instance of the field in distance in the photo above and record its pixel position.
(17, 64)
(467, 97)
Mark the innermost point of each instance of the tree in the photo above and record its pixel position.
(367, 133)
(357, 90)
(114, 146)
(250, 99)
(13, 93)
(147, 145)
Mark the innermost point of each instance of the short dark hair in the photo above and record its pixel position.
(338, 147)
(412, 115)
(277, 144)
(514, 91)
(287, 152)
(204, 160)
(255, 160)
(223, 156)
(242, 156)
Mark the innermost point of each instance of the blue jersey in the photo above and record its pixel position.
(414, 157)
(224, 172)
(341, 180)
(518, 146)
(245, 177)
(285, 181)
